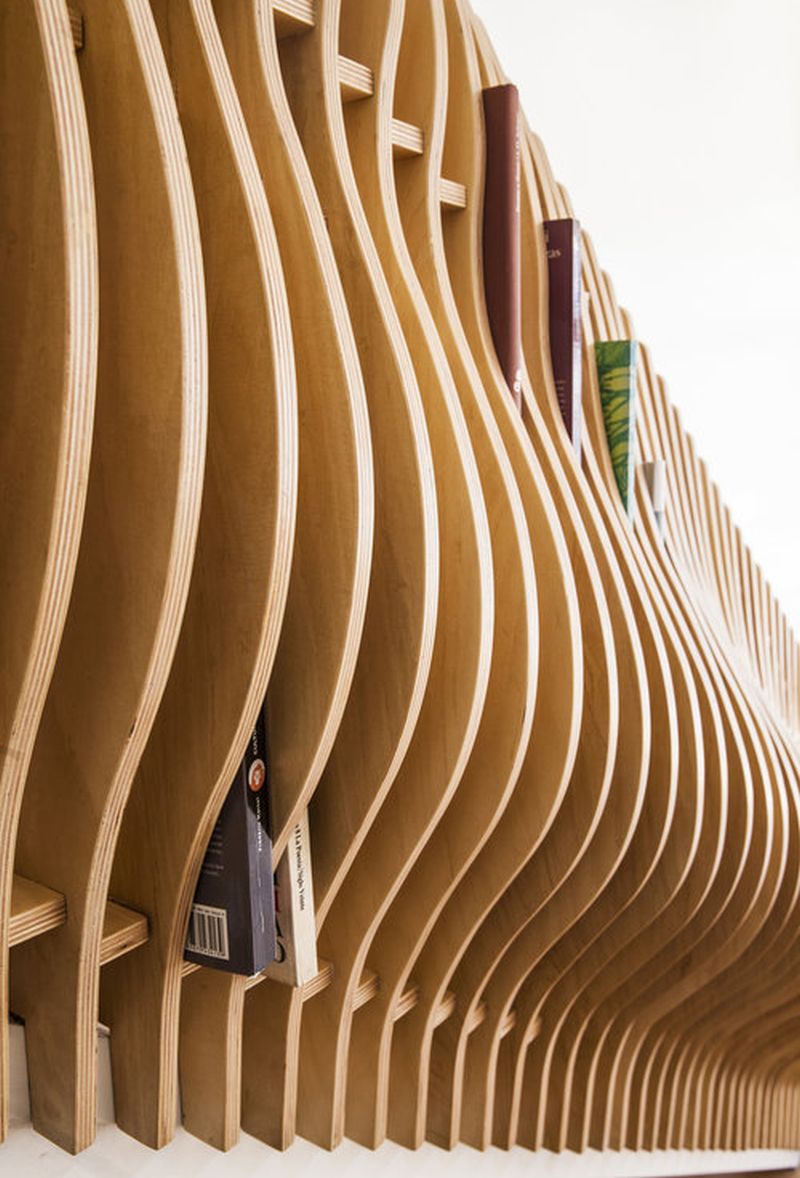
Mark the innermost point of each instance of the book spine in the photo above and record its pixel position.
(616, 375)
(232, 918)
(563, 246)
(259, 844)
(296, 952)
(501, 232)
(655, 475)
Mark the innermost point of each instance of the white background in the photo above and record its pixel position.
(675, 126)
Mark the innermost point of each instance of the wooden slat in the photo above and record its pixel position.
(355, 80)
(292, 17)
(76, 24)
(478, 1015)
(35, 909)
(123, 930)
(452, 195)
(407, 140)
(508, 1024)
(408, 1000)
(367, 989)
(446, 1008)
(319, 982)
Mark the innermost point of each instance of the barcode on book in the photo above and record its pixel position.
(208, 931)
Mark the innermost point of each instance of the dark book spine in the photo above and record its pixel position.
(563, 244)
(502, 281)
(232, 919)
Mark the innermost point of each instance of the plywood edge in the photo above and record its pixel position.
(35, 909)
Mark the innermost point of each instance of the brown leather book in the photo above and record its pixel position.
(563, 243)
(501, 236)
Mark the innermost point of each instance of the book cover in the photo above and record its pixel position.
(502, 279)
(232, 919)
(616, 376)
(655, 475)
(563, 244)
(296, 951)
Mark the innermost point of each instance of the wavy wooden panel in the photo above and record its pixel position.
(549, 748)
(135, 556)
(48, 358)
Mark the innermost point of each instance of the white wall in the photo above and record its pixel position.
(675, 125)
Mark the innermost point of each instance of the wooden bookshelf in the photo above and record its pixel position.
(256, 440)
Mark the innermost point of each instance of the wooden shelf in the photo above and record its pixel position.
(123, 931)
(34, 910)
(407, 140)
(452, 194)
(355, 80)
(549, 751)
(292, 17)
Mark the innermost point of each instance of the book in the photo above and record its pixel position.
(616, 376)
(502, 279)
(232, 919)
(563, 244)
(296, 927)
(655, 475)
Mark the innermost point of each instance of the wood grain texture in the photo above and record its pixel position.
(135, 557)
(241, 571)
(48, 359)
(548, 746)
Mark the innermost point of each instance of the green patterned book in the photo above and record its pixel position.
(616, 375)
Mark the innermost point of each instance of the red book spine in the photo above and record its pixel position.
(502, 282)
(563, 243)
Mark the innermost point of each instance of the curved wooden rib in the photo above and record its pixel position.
(48, 358)
(135, 558)
(528, 825)
(438, 752)
(372, 32)
(418, 190)
(239, 581)
(589, 874)
(549, 751)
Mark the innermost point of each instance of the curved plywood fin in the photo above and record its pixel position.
(135, 557)
(48, 357)
(240, 577)
(546, 740)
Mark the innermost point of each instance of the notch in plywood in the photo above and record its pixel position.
(76, 25)
(355, 79)
(123, 930)
(35, 909)
(407, 140)
(452, 195)
(292, 17)
(367, 989)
